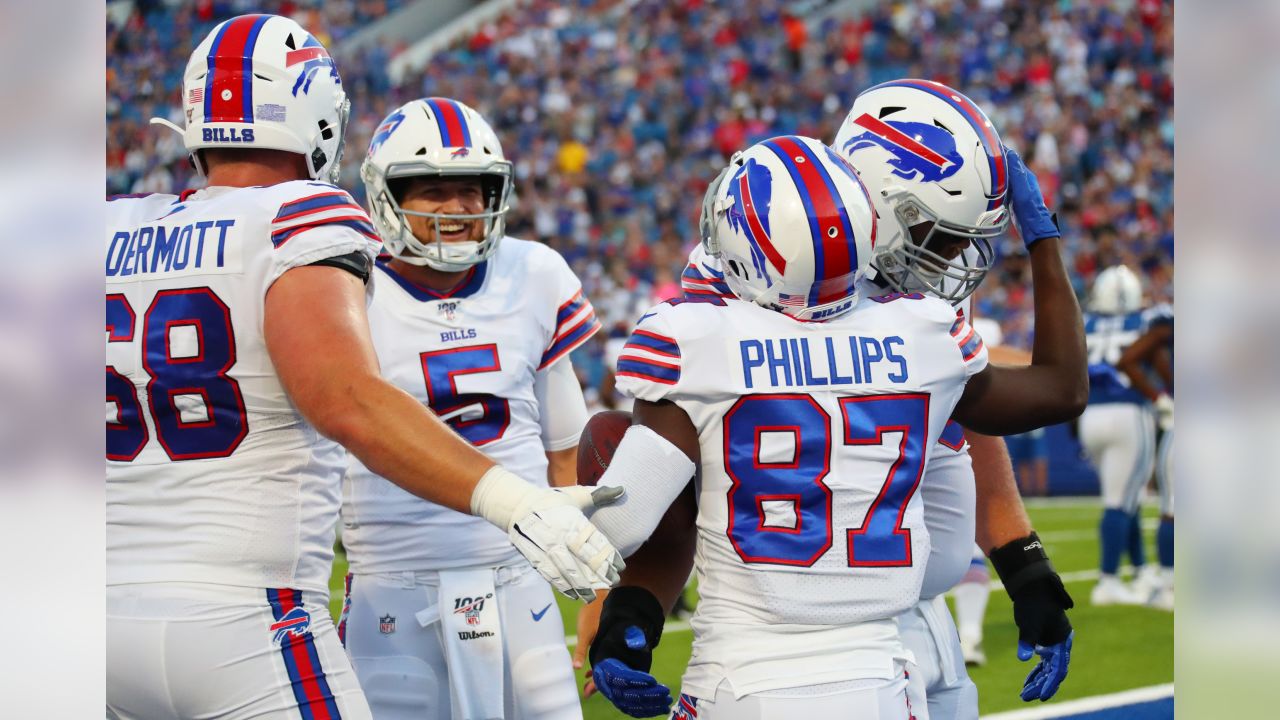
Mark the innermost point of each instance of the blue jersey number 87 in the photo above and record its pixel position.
(796, 483)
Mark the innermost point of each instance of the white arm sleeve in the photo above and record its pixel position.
(561, 408)
(653, 471)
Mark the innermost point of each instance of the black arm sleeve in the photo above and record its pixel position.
(356, 263)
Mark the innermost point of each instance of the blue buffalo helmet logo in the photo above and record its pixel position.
(460, 153)
(751, 189)
(314, 57)
(921, 152)
(384, 130)
(296, 623)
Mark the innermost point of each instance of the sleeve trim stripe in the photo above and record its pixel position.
(280, 237)
(957, 326)
(570, 307)
(650, 378)
(317, 210)
(333, 197)
(633, 346)
(657, 372)
(574, 320)
(647, 361)
(570, 341)
(660, 344)
(972, 348)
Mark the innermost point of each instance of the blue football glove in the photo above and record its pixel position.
(635, 693)
(1032, 218)
(1048, 674)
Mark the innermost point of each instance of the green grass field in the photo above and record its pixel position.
(1116, 648)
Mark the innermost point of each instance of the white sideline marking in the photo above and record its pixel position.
(1089, 704)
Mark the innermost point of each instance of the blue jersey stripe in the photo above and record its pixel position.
(648, 370)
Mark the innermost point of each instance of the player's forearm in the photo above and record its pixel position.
(1001, 516)
(398, 438)
(663, 563)
(562, 467)
(1059, 345)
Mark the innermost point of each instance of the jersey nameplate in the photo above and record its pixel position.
(200, 248)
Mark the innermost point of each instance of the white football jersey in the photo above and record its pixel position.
(471, 355)
(948, 490)
(212, 475)
(814, 439)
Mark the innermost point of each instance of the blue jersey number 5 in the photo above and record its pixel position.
(770, 471)
(478, 417)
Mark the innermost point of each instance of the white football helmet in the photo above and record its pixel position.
(793, 227)
(1116, 291)
(928, 154)
(436, 137)
(261, 81)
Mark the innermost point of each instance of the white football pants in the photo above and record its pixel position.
(404, 665)
(210, 651)
(901, 698)
(1120, 438)
(930, 634)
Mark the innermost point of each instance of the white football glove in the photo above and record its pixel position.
(1164, 412)
(547, 526)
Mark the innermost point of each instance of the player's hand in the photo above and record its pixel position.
(1032, 218)
(635, 693)
(588, 621)
(562, 545)
(1164, 412)
(1048, 674)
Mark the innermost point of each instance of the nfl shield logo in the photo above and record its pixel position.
(386, 624)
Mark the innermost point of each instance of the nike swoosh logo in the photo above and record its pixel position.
(538, 615)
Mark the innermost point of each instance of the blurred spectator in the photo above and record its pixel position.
(617, 113)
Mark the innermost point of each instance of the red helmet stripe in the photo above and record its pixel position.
(228, 87)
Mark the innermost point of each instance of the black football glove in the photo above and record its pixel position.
(1040, 604)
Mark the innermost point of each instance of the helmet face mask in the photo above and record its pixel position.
(929, 155)
(928, 260)
(436, 138)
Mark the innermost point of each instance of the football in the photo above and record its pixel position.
(599, 441)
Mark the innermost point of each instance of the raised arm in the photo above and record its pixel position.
(1003, 400)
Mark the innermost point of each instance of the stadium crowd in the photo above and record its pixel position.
(616, 113)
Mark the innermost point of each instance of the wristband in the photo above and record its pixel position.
(625, 608)
(1021, 562)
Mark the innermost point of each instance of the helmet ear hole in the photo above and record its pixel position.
(326, 132)
(318, 158)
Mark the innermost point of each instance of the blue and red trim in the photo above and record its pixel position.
(654, 343)
(568, 309)
(967, 339)
(646, 369)
(470, 285)
(302, 662)
(359, 223)
(325, 201)
(566, 341)
(451, 121)
(835, 254)
(712, 284)
(230, 63)
(981, 124)
(952, 436)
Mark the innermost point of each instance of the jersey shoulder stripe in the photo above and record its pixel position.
(967, 339)
(652, 342)
(570, 338)
(648, 369)
(328, 207)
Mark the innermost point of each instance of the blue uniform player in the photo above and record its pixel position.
(1118, 431)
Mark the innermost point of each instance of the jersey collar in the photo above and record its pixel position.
(469, 286)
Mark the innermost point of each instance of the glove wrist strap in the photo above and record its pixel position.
(631, 605)
(1021, 562)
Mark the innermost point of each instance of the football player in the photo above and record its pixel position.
(1153, 351)
(945, 208)
(1118, 431)
(238, 366)
(809, 409)
(444, 618)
